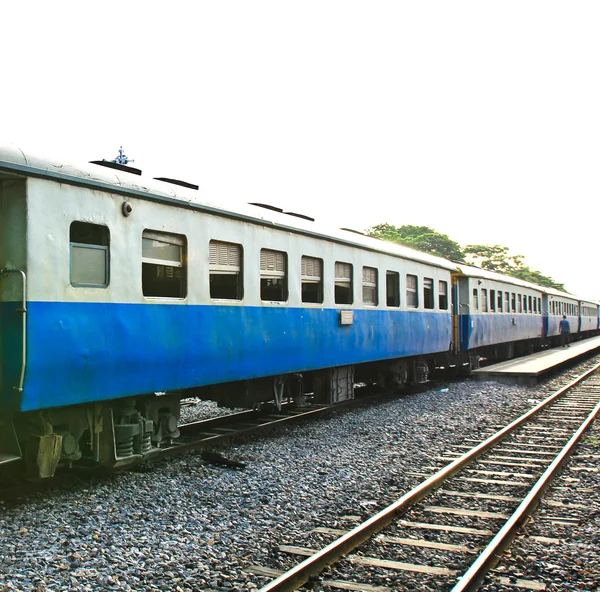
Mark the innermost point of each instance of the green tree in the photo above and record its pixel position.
(496, 258)
(491, 257)
(421, 238)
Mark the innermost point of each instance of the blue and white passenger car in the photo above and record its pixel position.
(115, 288)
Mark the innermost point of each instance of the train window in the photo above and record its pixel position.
(225, 270)
(506, 301)
(499, 301)
(412, 295)
(535, 305)
(89, 245)
(513, 302)
(273, 276)
(343, 283)
(530, 307)
(484, 300)
(539, 305)
(163, 271)
(369, 277)
(392, 286)
(520, 299)
(312, 280)
(443, 295)
(428, 293)
(475, 299)
(492, 300)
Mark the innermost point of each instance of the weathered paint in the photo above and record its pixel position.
(488, 329)
(83, 352)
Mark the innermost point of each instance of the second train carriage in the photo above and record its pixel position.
(115, 288)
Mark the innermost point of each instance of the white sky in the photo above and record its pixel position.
(479, 119)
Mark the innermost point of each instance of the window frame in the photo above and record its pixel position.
(443, 294)
(412, 293)
(370, 285)
(396, 286)
(428, 298)
(273, 274)
(91, 246)
(339, 281)
(218, 269)
(177, 239)
(306, 279)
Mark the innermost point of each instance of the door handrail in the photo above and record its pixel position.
(23, 310)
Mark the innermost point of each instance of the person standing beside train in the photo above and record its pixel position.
(565, 331)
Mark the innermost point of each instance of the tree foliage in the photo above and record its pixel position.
(421, 238)
(491, 257)
(496, 258)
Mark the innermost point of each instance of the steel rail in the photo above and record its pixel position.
(490, 556)
(315, 564)
(202, 442)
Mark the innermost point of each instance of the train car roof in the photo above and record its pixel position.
(478, 272)
(14, 160)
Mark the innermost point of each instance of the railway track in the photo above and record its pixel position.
(450, 531)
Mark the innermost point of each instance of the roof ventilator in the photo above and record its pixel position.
(177, 182)
(115, 165)
(267, 207)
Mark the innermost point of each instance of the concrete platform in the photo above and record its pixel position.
(528, 369)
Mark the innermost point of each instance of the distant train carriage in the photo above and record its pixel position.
(588, 316)
(496, 313)
(559, 304)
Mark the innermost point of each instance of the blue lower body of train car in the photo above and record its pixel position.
(88, 352)
(478, 331)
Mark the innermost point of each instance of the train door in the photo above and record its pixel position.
(13, 310)
(461, 315)
(545, 312)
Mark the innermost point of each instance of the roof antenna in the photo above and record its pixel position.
(122, 158)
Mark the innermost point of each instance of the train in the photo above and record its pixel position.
(122, 295)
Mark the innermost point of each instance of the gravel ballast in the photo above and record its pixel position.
(181, 524)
